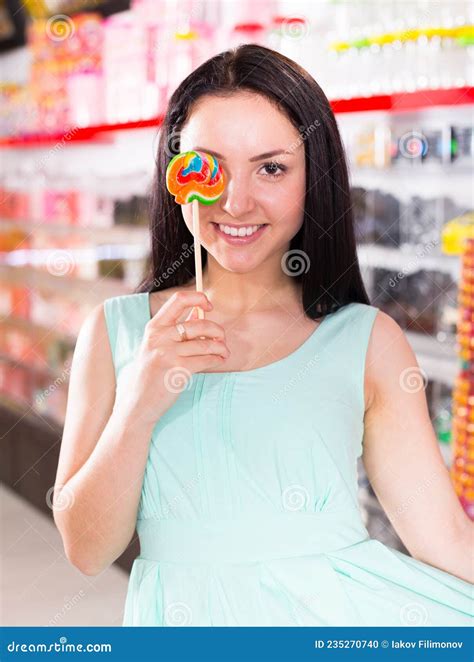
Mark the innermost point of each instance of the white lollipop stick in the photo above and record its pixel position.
(197, 252)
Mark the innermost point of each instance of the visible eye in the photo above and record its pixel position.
(274, 169)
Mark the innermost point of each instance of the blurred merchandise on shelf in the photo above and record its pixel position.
(406, 58)
(81, 114)
(381, 218)
(66, 63)
(66, 244)
(69, 206)
(455, 234)
(422, 220)
(88, 70)
(377, 217)
(407, 143)
(39, 329)
(440, 405)
(439, 401)
(462, 469)
(131, 211)
(413, 300)
(17, 114)
(462, 144)
(448, 312)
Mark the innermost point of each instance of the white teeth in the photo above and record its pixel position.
(241, 232)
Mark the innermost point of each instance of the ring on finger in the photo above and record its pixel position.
(182, 332)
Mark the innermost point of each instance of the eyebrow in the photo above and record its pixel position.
(265, 155)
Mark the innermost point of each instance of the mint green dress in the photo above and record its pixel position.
(248, 513)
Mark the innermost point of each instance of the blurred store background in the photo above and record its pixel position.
(83, 86)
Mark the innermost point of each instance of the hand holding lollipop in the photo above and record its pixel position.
(195, 177)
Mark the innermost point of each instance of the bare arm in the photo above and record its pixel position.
(403, 461)
(102, 458)
(107, 432)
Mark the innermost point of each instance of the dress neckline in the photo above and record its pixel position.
(269, 366)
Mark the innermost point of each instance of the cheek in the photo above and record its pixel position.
(285, 202)
(205, 215)
(187, 213)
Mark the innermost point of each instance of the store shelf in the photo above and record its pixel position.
(20, 324)
(394, 103)
(78, 134)
(115, 234)
(41, 371)
(407, 260)
(405, 101)
(26, 413)
(72, 288)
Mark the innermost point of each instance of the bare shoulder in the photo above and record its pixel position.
(94, 324)
(93, 345)
(158, 299)
(388, 355)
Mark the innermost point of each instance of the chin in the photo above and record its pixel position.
(239, 264)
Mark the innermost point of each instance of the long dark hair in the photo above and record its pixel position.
(324, 248)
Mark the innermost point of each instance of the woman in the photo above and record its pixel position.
(231, 442)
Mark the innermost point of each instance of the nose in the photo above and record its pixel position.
(237, 199)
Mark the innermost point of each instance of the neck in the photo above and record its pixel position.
(262, 289)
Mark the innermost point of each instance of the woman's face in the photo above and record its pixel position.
(262, 155)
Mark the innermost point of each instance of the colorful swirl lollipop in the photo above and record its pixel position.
(195, 176)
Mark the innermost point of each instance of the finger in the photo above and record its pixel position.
(201, 347)
(177, 304)
(194, 314)
(203, 329)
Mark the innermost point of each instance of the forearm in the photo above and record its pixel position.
(102, 497)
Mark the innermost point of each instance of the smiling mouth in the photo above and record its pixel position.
(238, 234)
